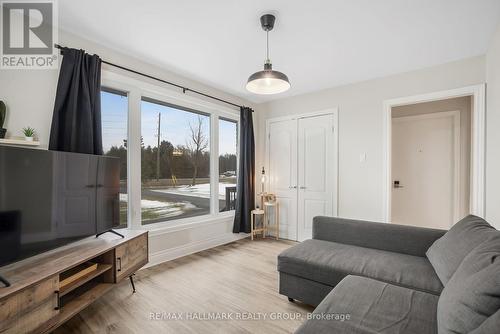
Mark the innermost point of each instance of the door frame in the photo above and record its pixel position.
(455, 116)
(478, 139)
(330, 111)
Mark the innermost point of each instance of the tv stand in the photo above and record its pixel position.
(48, 289)
(4, 282)
(110, 231)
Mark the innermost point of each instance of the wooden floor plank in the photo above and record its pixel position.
(237, 278)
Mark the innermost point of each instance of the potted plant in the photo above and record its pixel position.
(29, 133)
(3, 114)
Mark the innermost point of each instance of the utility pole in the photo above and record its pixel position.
(158, 150)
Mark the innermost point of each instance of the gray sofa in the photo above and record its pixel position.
(367, 277)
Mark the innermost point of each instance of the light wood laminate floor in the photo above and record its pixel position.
(237, 278)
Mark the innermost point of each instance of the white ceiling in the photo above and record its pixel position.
(318, 44)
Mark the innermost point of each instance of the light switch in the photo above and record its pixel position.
(362, 157)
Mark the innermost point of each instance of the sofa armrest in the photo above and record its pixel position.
(404, 239)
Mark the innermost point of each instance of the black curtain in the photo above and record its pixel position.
(245, 193)
(76, 123)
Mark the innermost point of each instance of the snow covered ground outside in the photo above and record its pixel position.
(162, 209)
(199, 190)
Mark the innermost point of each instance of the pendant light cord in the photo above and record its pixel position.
(267, 47)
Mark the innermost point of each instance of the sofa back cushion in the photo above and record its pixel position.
(472, 295)
(446, 253)
(411, 240)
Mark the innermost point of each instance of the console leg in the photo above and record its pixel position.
(4, 282)
(132, 282)
(291, 300)
(110, 231)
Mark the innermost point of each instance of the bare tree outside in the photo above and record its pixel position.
(183, 187)
(196, 144)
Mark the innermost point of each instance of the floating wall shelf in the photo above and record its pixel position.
(19, 141)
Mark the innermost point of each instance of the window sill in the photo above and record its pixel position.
(186, 223)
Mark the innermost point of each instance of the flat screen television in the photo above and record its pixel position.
(49, 199)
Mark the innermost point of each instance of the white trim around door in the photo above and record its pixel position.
(477, 179)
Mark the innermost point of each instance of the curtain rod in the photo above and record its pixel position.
(184, 89)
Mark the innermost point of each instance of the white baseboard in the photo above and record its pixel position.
(193, 247)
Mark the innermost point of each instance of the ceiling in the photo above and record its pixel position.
(318, 44)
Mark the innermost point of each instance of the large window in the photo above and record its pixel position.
(178, 153)
(228, 139)
(114, 115)
(175, 162)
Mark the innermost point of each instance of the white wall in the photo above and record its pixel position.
(361, 125)
(176, 242)
(29, 96)
(492, 132)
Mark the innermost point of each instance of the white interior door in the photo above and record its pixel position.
(425, 163)
(316, 171)
(302, 168)
(282, 169)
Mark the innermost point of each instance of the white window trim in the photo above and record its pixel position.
(136, 89)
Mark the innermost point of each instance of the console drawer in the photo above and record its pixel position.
(131, 256)
(26, 310)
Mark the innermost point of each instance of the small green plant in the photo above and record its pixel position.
(28, 132)
(3, 113)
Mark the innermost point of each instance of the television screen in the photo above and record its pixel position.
(49, 198)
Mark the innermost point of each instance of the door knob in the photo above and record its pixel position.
(292, 187)
(302, 187)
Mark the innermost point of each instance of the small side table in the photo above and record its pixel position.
(276, 217)
(253, 231)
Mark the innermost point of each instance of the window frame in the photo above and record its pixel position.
(137, 90)
(222, 118)
(125, 94)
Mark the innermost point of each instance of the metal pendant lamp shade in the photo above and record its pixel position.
(268, 81)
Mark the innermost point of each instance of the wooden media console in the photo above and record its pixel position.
(35, 302)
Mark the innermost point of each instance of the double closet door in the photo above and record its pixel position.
(302, 168)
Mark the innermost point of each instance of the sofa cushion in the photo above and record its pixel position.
(411, 240)
(447, 252)
(490, 325)
(360, 305)
(329, 262)
(472, 295)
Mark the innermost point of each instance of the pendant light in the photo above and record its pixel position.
(268, 81)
